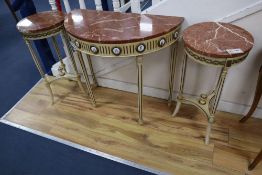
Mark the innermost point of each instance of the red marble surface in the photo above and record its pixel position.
(213, 39)
(40, 22)
(113, 27)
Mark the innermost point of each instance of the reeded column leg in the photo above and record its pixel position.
(92, 70)
(38, 65)
(208, 132)
(181, 87)
(71, 57)
(88, 85)
(61, 69)
(218, 91)
(172, 72)
(139, 63)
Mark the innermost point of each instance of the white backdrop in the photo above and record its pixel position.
(240, 84)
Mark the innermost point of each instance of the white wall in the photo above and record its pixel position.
(200, 10)
(240, 84)
(244, 76)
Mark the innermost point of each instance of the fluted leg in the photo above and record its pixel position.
(88, 85)
(139, 62)
(181, 87)
(219, 88)
(62, 68)
(38, 65)
(218, 91)
(172, 72)
(92, 70)
(71, 57)
(208, 132)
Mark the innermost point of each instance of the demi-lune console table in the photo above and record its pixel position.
(113, 34)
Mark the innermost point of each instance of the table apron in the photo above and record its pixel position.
(211, 61)
(125, 49)
(45, 34)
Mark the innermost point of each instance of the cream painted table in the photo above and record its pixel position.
(212, 44)
(42, 25)
(113, 34)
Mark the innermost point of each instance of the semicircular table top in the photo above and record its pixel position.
(114, 27)
(39, 22)
(215, 39)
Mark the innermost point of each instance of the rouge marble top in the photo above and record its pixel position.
(113, 27)
(40, 22)
(213, 39)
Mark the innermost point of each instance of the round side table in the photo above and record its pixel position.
(112, 34)
(212, 44)
(44, 25)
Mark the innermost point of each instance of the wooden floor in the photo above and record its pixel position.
(173, 145)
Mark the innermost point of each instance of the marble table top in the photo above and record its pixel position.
(113, 27)
(218, 40)
(40, 22)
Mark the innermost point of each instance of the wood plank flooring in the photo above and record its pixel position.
(172, 145)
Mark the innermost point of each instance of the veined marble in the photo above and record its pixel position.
(113, 27)
(215, 39)
(39, 22)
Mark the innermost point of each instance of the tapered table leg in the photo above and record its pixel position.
(139, 62)
(71, 57)
(61, 69)
(255, 161)
(92, 70)
(88, 85)
(181, 87)
(218, 91)
(38, 65)
(257, 97)
(172, 72)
